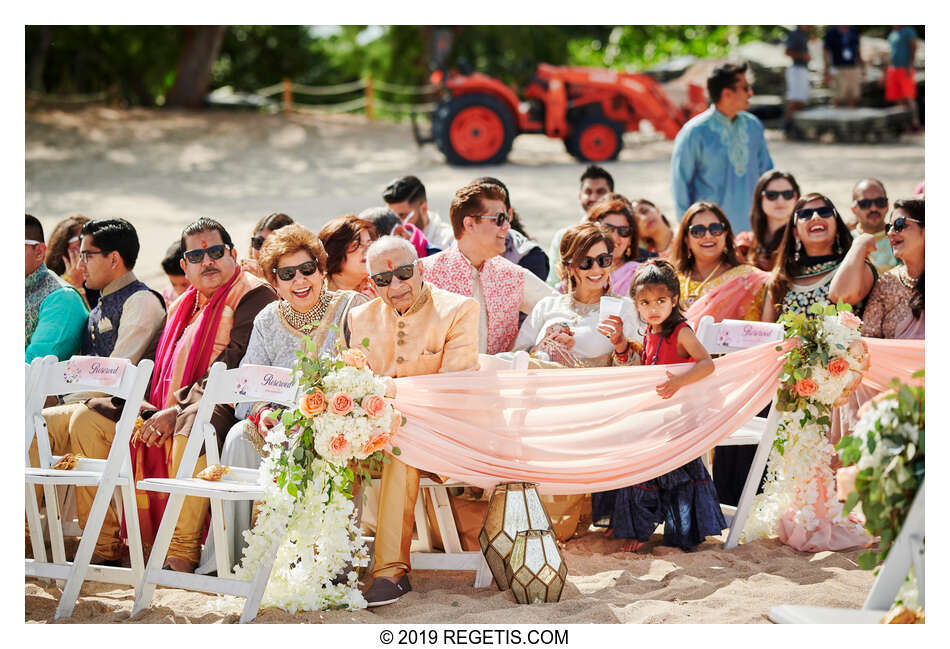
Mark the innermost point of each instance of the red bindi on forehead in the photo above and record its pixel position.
(389, 264)
(204, 244)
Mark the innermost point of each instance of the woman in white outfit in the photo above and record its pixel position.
(293, 260)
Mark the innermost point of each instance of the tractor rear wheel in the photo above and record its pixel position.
(474, 129)
(595, 139)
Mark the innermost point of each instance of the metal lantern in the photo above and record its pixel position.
(514, 507)
(536, 569)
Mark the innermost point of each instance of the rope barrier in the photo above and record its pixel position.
(342, 107)
(338, 89)
(409, 90)
(270, 90)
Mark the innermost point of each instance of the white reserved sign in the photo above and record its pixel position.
(743, 333)
(94, 370)
(264, 383)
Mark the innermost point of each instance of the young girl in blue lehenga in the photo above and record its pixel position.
(684, 499)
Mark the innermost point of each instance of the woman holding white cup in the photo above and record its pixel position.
(586, 327)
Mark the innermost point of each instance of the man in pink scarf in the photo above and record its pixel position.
(209, 322)
(473, 266)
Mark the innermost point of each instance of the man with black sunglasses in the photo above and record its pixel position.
(869, 205)
(413, 328)
(208, 323)
(474, 266)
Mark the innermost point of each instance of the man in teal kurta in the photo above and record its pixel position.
(719, 155)
(55, 312)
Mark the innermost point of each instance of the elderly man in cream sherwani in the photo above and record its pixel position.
(413, 328)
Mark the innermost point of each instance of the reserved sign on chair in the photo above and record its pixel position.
(104, 372)
(744, 333)
(263, 383)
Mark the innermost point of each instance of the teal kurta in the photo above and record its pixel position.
(55, 316)
(719, 160)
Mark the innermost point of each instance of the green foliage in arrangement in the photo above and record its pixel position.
(888, 448)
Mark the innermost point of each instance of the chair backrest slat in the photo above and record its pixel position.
(60, 379)
(735, 335)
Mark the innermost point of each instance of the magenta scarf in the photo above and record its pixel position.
(199, 356)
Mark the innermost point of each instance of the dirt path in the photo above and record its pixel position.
(163, 169)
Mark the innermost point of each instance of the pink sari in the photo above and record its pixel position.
(735, 299)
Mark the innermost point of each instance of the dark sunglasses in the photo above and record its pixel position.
(500, 219)
(257, 242)
(214, 252)
(899, 224)
(865, 203)
(699, 231)
(773, 194)
(824, 212)
(604, 260)
(621, 230)
(287, 273)
(385, 278)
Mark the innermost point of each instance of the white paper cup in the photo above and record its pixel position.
(609, 306)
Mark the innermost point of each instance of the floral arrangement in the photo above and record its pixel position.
(825, 360)
(339, 429)
(887, 446)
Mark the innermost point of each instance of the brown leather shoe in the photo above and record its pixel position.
(383, 591)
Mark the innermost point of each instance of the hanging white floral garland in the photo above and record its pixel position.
(308, 479)
(825, 360)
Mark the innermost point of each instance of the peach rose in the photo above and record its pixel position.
(373, 404)
(312, 405)
(806, 387)
(849, 320)
(339, 445)
(838, 366)
(341, 403)
(354, 358)
(377, 442)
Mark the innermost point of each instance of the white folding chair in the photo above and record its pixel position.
(759, 431)
(908, 549)
(240, 484)
(106, 475)
(453, 558)
(34, 403)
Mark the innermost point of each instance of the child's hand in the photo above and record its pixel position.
(668, 388)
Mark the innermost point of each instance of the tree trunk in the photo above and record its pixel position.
(198, 54)
(38, 62)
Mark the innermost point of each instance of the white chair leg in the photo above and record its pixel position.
(753, 479)
(253, 602)
(37, 539)
(163, 538)
(84, 554)
(55, 524)
(443, 515)
(483, 576)
(136, 554)
(222, 550)
(422, 525)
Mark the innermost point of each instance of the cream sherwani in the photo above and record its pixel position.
(439, 333)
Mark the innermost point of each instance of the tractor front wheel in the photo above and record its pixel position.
(474, 129)
(595, 139)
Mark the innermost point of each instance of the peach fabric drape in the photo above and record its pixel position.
(593, 429)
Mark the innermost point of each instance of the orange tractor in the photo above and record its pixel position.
(478, 117)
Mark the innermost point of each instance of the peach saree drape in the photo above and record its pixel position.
(594, 429)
